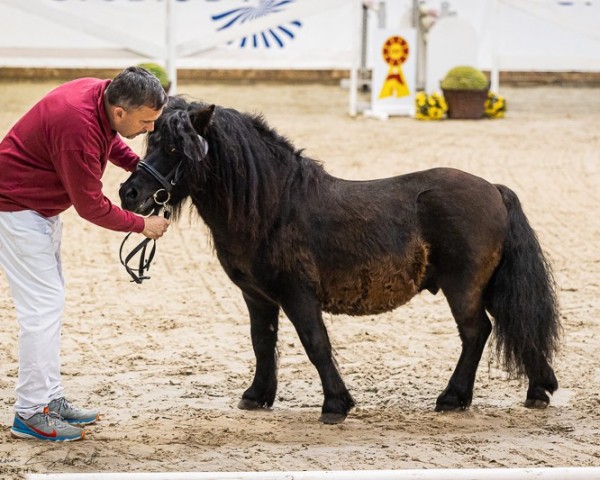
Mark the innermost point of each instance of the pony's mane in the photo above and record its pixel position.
(250, 168)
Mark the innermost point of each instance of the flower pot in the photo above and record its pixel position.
(465, 104)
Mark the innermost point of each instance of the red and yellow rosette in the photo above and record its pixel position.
(395, 53)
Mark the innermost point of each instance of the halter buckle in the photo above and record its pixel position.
(157, 197)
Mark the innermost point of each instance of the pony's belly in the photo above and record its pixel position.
(375, 287)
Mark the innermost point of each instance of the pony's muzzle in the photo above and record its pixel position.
(146, 206)
(160, 198)
(129, 196)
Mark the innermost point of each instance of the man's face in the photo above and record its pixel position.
(131, 123)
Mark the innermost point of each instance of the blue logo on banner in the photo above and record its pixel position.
(267, 38)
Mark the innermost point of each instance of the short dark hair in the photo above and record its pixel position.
(136, 87)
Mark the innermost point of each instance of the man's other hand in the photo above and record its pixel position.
(155, 226)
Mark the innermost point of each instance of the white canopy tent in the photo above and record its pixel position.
(169, 50)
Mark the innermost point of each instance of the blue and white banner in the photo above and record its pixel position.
(208, 33)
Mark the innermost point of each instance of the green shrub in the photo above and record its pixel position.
(158, 71)
(465, 78)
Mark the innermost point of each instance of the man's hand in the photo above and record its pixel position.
(155, 226)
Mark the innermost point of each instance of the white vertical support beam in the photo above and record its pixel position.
(356, 50)
(495, 23)
(170, 40)
(421, 48)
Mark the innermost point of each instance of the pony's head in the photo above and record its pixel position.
(175, 151)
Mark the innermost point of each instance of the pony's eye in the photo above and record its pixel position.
(172, 149)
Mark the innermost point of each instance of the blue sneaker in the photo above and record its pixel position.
(72, 414)
(46, 426)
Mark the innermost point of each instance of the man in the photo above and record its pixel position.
(52, 158)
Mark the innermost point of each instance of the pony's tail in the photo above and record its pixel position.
(521, 297)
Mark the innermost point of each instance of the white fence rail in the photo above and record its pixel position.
(566, 473)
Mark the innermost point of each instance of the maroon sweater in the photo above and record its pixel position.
(55, 155)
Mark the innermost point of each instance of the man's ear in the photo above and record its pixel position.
(201, 118)
(118, 113)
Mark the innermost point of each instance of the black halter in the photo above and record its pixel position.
(160, 198)
(167, 182)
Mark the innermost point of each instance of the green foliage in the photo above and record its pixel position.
(465, 78)
(158, 71)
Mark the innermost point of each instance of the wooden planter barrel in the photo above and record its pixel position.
(465, 104)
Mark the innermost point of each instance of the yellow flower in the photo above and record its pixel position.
(495, 106)
(430, 107)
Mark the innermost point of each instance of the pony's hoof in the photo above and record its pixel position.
(451, 404)
(332, 418)
(451, 400)
(448, 408)
(247, 404)
(536, 403)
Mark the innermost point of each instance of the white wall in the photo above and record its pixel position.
(321, 41)
(555, 38)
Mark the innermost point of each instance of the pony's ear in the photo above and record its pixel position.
(201, 118)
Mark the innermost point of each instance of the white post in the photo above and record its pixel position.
(356, 47)
(170, 39)
(495, 23)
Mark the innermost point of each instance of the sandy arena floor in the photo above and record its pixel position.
(166, 362)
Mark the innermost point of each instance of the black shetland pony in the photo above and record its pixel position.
(295, 238)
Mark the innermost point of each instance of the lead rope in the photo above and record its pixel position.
(138, 274)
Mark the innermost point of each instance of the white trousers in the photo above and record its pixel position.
(30, 257)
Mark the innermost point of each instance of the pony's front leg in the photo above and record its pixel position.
(304, 311)
(264, 323)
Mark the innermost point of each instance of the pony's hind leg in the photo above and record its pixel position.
(464, 221)
(541, 380)
(522, 299)
(474, 328)
(264, 324)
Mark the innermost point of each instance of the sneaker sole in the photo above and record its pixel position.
(20, 434)
(81, 423)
